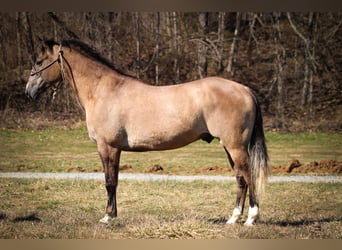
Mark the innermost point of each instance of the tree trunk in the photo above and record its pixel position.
(157, 49)
(176, 45)
(307, 67)
(220, 38)
(279, 62)
(296, 58)
(20, 61)
(3, 61)
(312, 25)
(202, 64)
(30, 41)
(251, 38)
(110, 31)
(234, 47)
(137, 35)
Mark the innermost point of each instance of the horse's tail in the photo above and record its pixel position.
(258, 155)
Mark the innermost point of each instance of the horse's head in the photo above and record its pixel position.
(46, 71)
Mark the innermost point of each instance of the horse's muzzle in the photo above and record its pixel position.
(33, 92)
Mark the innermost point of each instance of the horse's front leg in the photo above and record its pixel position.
(110, 160)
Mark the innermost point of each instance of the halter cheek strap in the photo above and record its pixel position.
(60, 61)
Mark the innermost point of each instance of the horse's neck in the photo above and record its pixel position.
(83, 79)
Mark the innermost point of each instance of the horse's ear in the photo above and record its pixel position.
(47, 45)
(40, 39)
(41, 45)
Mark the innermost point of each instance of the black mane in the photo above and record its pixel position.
(87, 51)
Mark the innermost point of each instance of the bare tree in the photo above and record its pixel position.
(137, 37)
(30, 41)
(279, 50)
(234, 47)
(157, 49)
(309, 58)
(253, 20)
(176, 45)
(220, 38)
(279, 71)
(202, 63)
(20, 61)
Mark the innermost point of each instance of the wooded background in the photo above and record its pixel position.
(293, 61)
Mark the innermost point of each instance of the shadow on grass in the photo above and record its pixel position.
(30, 217)
(219, 220)
(303, 222)
(3, 216)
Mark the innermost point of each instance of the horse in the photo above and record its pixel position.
(124, 113)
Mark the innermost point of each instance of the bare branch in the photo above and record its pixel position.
(333, 31)
(306, 42)
(295, 28)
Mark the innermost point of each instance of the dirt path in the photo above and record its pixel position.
(161, 177)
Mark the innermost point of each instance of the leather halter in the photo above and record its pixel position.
(59, 59)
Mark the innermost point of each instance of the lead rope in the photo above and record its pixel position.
(60, 59)
(61, 62)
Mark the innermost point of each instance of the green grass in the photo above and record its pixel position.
(306, 147)
(147, 210)
(58, 150)
(199, 209)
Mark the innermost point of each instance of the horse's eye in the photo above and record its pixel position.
(39, 62)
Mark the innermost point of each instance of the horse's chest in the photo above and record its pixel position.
(91, 131)
(106, 132)
(92, 134)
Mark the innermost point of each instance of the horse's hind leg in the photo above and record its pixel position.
(238, 163)
(240, 200)
(239, 160)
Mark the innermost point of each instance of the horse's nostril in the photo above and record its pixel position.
(28, 94)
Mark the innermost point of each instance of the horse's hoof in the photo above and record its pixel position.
(248, 224)
(236, 216)
(234, 219)
(253, 216)
(106, 219)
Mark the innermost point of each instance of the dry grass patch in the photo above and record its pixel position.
(148, 210)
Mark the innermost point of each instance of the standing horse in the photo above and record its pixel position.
(125, 114)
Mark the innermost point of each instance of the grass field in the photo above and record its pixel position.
(58, 150)
(148, 210)
(61, 209)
